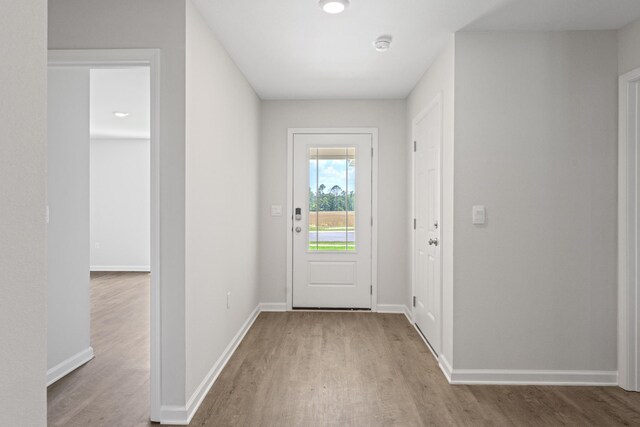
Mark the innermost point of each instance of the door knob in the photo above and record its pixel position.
(298, 229)
(433, 242)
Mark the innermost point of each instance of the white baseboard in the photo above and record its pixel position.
(182, 415)
(533, 377)
(68, 365)
(273, 306)
(445, 367)
(395, 308)
(144, 268)
(408, 313)
(510, 376)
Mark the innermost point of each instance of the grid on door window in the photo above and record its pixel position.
(332, 199)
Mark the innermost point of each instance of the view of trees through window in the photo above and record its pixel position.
(332, 199)
(335, 199)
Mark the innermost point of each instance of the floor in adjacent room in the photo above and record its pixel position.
(309, 369)
(113, 388)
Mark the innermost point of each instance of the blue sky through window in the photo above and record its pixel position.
(331, 172)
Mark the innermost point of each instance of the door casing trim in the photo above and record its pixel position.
(374, 205)
(628, 247)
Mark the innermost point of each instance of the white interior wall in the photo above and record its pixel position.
(23, 109)
(386, 115)
(438, 80)
(629, 47)
(535, 141)
(68, 305)
(120, 231)
(96, 24)
(222, 163)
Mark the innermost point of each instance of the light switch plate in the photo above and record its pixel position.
(276, 210)
(478, 215)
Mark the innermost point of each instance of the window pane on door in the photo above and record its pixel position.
(332, 197)
(313, 200)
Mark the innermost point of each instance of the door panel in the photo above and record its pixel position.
(331, 221)
(427, 247)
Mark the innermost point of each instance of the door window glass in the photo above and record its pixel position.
(332, 199)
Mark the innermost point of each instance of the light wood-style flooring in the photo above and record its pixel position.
(113, 388)
(363, 369)
(310, 369)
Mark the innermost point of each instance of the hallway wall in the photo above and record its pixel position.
(222, 163)
(386, 115)
(23, 112)
(535, 141)
(68, 289)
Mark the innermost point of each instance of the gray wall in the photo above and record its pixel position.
(386, 115)
(23, 96)
(629, 47)
(77, 24)
(438, 80)
(535, 141)
(120, 201)
(222, 142)
(68, 312)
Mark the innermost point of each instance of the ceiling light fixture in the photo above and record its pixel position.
(121, 114)
(334, 6)
(383, 43)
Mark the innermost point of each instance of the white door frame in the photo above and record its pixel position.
(628, 221)
(374, 204)
(115, 58)
(436, 102)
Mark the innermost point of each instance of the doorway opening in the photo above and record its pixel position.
(103, 210)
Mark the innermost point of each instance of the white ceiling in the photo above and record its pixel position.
(291, 49)
(124, 90)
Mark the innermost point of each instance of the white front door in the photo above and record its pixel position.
(332, 220)
(427, 288)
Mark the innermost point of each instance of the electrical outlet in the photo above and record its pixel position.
(96, 245)
(228, 300)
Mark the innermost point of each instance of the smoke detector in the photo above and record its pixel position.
(382, 43)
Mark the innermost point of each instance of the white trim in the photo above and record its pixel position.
(115, 58)
(142, 268)
(182, 415)
(71, 364)
(273, 306)
(395, 308)
(374, 215)
(445, 367)
(533, 377)
(519, 377)
(436, 101)
(628, 222)
(289, 216)
(374, 205)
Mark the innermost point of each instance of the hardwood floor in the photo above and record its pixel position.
(363, 369)
(310, 369)
(113, 388)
